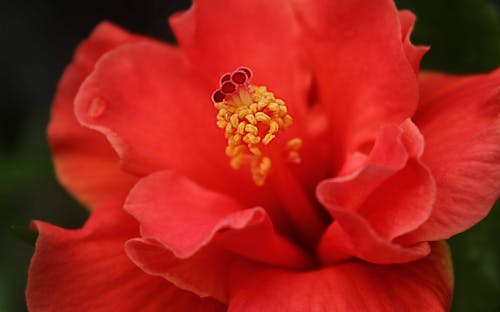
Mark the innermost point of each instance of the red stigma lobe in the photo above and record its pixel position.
(239, 77)
(228, 87)
(218, 96)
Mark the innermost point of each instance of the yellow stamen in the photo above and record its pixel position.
(268, 138)
(294, 145)
(260, 116)
(252, 118)
(252, 129)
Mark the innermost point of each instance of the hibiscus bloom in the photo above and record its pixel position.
(367, 167)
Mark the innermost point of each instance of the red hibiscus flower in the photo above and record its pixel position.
(346, 168)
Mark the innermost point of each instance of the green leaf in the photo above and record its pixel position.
(464, 35)
(476, 260)
(25, 233)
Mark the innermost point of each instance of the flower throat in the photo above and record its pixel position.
(252, 118)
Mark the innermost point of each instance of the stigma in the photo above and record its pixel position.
(252, 119)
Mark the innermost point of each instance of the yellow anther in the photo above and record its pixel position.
(223, 113)
(234, 121)
(229, 130)
(280, 122)
(288, 121)
(268, 138)
(294, 144)
(253, 108)
(241, 128)
(251, 129)
(255, 150)
(273, 127)
(260, 116)
(253, 118)
(274, 107)
(251, 139)
(243, 112)
(235, 140)
(262, 104)
(265, 165)
(237, 161)
(232, 151)
(221, 123)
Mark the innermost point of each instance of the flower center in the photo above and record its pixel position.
(252, 118)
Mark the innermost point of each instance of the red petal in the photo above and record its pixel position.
(413, 53)
(210, 221)
(460, 119)
(368, 233)
(157, 114)
(388, 197)
(363, 73)
(84, 162)
(205, 273)
(425, 285)
(263, 35)
(218, 36)
(88, 270)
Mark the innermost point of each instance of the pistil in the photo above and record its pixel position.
(252, 118)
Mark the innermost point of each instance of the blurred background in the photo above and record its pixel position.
(37, 41)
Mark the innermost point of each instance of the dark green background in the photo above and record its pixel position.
(37, 41)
